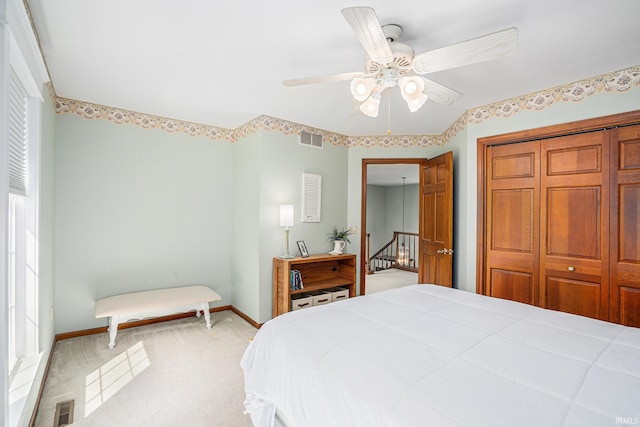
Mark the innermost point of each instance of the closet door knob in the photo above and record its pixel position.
(571, 268)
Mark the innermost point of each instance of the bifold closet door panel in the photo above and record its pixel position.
(625, 226)
(574, 241)
(512, 218)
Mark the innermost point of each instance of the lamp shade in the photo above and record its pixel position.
(286, 215)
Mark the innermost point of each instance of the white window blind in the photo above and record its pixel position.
(17, 123)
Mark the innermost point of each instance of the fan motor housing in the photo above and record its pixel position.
(402, 59)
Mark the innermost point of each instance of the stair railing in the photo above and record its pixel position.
(388, 256)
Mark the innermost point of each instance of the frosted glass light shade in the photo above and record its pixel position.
(361, 88)
(286, 215)
(371, 106)
(416, 103)
(412, 88)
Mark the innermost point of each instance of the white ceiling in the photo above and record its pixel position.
(222, 63)
(391, 174)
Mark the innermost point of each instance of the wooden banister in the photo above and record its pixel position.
(387, 256)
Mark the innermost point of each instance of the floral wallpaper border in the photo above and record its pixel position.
(618, 81)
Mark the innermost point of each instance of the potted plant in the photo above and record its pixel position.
(339, 238)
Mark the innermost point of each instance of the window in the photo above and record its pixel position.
(17, 124)
(22, 339)
(23, 73)
(16, 279)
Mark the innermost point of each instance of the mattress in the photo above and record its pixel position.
(429, 355)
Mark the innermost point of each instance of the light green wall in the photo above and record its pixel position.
(142, 209)
(245, 260)
(376, 215)
(268, 168)
(393, 216)
(384, 212)
(464, 148)
(283, 162)
(137, 209)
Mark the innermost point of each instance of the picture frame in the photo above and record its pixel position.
(302, 247)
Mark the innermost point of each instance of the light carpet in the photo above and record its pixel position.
(389, 279)
(175, 373)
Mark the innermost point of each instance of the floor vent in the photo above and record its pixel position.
(311, 139)
(64, 413)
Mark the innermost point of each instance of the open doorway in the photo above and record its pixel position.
(389, 223)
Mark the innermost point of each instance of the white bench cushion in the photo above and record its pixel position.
(154, 300)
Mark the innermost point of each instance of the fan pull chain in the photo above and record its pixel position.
(389, 113)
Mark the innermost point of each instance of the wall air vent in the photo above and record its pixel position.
(310, 139)
(64, 413)
(311, 197)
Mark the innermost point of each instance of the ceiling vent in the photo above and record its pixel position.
(311, 139)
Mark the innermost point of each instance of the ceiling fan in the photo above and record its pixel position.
(390, 63)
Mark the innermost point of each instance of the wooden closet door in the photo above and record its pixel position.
(625, 226)
(574, 267)
(512, 221)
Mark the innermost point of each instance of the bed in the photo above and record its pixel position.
(429, 355)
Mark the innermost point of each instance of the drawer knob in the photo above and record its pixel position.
(571, 268)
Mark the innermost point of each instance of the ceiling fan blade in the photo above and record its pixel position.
(492, 46)
(439, 93)
(365, 24)
(323, 79)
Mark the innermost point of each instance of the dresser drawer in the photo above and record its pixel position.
(339, 294)
(322, 298)
(301, 301)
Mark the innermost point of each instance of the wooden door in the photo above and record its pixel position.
(574, 267)
(436, 221)
(625, 226)
(512, 221)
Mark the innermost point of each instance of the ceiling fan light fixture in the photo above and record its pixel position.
(371, 106)
(417, 103)
(389, 63)
(361, 88)
(412, 90)
(411, 87)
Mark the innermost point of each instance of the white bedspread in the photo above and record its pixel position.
(425, 355)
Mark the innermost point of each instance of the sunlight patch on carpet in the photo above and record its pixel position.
(113, 376)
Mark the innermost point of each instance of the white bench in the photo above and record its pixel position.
(161, 302)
